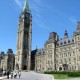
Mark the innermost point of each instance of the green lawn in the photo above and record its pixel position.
(63, 75)
(60, 76)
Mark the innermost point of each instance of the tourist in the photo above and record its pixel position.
(15, 74)
(19, 74)
(4, 73)
(8, 74)
(11, 75)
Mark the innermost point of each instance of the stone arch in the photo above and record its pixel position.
(60, 68)
(24, 67)
(17, 66)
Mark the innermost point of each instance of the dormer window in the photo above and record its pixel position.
(69, 41)
(72, 40)
(61, 43)
(64, 42)
(57, 44)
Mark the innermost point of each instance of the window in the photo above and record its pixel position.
(69, 59)
(70, 54)
(66, 55)
(57, 44)
(69, 47)
(74, 59)
(78, 44)
(75, 67)
(78, 38)
(56, 55)
(64, 42)
(43, 52)
(61, 61)
(61, 43)
(73, 51)
(72, 40)
(69, 41)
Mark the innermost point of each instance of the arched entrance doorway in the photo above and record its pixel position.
(24, 67)
(60, 68)
(17, 66)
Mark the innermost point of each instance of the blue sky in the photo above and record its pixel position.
(48, 16)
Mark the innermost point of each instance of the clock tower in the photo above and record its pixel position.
(24, 39)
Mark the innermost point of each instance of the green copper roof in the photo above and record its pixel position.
(26, 6)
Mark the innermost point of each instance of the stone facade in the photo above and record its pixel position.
(33, 53)
(2, 54)
(40, 60)
(60, 54)
(7, 60)
(24, 38)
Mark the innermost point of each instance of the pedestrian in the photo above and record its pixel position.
(15, 74)
(19, 74)
(4, 73)
(8, 74)
(11, 75)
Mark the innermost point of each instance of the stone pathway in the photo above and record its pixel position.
(33, 76)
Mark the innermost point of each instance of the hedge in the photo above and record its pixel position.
(70, 74)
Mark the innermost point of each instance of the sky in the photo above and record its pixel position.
(47, 16)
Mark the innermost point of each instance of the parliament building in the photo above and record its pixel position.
(59, 54)
(56, 55)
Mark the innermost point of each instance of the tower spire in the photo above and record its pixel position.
(26, 6)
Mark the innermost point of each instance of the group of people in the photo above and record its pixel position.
(13, 74)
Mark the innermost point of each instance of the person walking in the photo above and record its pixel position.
(8, 74)
(11, 75)
(15, 74)
(4, 73)
(19, 74)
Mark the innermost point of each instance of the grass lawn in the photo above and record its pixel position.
(64, 75)
(60, 76)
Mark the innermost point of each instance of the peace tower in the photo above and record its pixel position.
(24, 39)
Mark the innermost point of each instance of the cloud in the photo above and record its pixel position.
(18, 2)
(35, 6)
(73, 19)
(40, 24)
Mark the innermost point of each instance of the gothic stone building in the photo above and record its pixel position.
(60, 54)
(40, 60)
(7, 61)
(24, 38)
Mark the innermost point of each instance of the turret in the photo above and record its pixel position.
(53, 36)
(65, 34)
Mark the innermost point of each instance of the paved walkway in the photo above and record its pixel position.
(33, 76)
